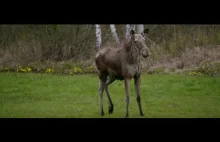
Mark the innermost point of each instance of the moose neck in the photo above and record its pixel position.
(132, 54)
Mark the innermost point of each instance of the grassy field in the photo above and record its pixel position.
(76, 96)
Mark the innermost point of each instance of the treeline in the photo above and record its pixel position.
(23, 44)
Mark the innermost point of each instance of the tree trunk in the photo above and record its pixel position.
(140, 28)
(132, 27)
(128, 29)
(98, 36)
(114, 33)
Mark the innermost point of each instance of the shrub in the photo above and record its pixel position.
(209, 68)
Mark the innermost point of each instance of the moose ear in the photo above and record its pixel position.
(146, 31)
(132, 32)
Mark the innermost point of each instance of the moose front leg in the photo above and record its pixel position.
(137, 81)
(127, 93)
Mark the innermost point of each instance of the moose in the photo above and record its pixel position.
(122, 64)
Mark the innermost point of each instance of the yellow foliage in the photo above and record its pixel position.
(196, 74)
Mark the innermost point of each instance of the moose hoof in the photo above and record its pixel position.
(102, 113)
(141, 114)
(110, 110)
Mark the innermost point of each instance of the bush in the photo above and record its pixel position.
(209, 68)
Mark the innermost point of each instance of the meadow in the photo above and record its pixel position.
(40, 95)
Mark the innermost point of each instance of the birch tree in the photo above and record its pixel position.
(98, 36)
(114, 33)
(127, 34)
(129, 27)
(140, 28)
(132, 27)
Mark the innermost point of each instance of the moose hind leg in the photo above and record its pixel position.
(111, 106)
(137, 91)
(101, 89)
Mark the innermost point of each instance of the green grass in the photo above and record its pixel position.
(75, 96)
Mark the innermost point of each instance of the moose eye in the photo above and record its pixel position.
(135, 41)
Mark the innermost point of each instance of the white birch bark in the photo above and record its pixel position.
(98, 36)
(128, 29)
(114, 33)
(132, 27)
(140, 28)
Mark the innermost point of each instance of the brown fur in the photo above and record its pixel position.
(120, 64)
